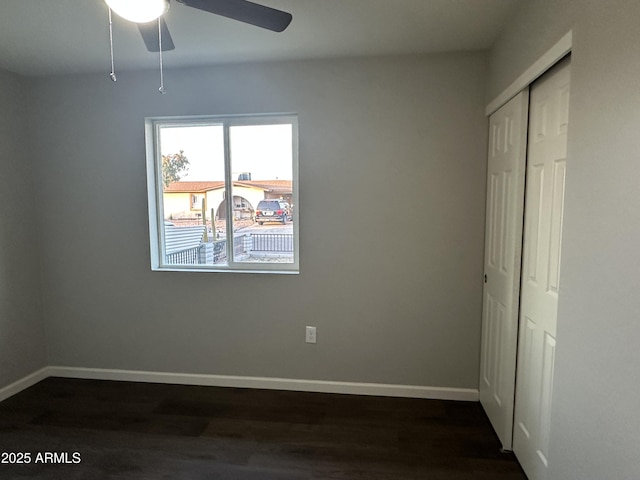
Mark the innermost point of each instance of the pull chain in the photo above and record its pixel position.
(161, 89)
(112, 75)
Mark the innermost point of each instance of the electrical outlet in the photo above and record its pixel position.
(310, 335)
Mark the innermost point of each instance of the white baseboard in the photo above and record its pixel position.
(23, 383)
(320, 386)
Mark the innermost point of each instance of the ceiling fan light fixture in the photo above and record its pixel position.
(139, 11)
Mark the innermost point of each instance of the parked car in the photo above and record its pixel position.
(272, 211)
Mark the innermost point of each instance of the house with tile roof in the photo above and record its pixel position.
(183, 199)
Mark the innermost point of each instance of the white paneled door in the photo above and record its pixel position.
(546, 162)
(503, 242)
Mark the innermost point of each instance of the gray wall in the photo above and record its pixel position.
(595, 420)
(392, 180)
(22, 345)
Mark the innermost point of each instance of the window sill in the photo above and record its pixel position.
(224, 270)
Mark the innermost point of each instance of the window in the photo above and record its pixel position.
(196, 201)
(223, 193)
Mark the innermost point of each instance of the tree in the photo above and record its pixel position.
(173, 166)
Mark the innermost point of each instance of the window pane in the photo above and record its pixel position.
(262, 209)
(193, 182)
(223, 193)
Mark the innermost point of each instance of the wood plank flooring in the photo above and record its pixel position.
(127, 430)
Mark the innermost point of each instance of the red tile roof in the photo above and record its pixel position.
(275, 186)
(192, 187)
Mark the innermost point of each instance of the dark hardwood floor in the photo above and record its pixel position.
(126, 430)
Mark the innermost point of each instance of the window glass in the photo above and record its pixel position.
(223, 193)
(261, 167)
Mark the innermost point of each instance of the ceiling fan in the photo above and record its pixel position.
(148, 15)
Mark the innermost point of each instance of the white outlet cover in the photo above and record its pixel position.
(310, 335)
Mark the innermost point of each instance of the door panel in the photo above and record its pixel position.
(503, 240)
(546, 169)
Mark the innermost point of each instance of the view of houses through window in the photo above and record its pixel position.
(225, 194)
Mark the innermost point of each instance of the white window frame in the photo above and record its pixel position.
(155, 190)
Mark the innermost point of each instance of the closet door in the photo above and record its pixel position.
(547, 153)
(503, 242)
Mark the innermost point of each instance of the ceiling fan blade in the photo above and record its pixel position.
(245, 11)
(149, 32)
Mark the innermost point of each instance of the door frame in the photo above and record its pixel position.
(552, 56)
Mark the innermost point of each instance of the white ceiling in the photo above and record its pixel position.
(45, 37)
